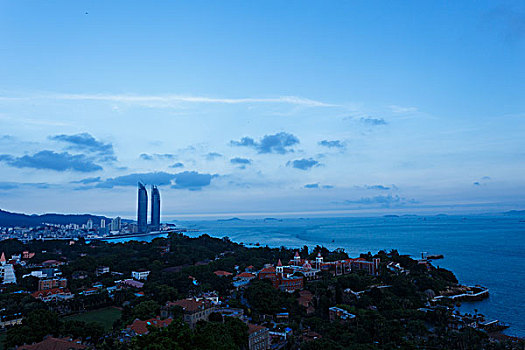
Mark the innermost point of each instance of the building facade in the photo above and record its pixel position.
(142, 209)
(116, 224)
(336, 313)
(281, 279)
(193, 310)
(258, 337)
(7, 272)
(101, 270)
(140, 274)
(52, 283)
(155, 208)
(339, 267)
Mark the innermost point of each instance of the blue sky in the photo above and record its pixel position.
(236, 108)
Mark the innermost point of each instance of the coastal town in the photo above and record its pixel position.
(131, 295)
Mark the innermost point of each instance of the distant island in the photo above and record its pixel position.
(514, 212)
(273, 219)
(231, 219)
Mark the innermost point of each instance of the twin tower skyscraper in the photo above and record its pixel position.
(142, 209)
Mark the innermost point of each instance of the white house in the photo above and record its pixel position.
(140, 274)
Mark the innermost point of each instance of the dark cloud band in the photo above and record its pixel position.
(279, 143)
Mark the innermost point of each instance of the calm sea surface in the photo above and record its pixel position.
(486, 250)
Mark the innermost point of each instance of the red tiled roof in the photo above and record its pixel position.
(51, 343)
(189, 305)
(279, 263)
(222, 273)
(246, 275)
(47, 292)
(141, 327)
(270, 269)
(252, 328)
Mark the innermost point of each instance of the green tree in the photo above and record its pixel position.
(145, 310)
(34, 328)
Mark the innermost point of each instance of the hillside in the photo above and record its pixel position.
(18, 219)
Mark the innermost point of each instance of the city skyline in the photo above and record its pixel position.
(317, 109)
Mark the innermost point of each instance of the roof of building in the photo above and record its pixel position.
(141, 327)
(252, 328)
(269, 269)
(189, 305)
(297, 253)
(222, 273)
(51, 343)
(279, 263)
(47, 292)
(133, 283)
(245, 275)
(2, 258)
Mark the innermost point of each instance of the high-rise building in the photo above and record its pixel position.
(7, 272)
(89, 224)
(155, 208)
(102, 223)
(116, 224)
(142, 209)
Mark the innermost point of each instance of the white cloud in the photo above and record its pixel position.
(171, 100)
(400, 109)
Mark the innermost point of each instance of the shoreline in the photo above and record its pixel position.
(131, 235)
